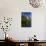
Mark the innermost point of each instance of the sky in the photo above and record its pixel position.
(26, 14)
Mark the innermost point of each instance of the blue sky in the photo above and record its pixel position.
(26, 13)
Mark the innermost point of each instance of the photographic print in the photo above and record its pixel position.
(26, 19)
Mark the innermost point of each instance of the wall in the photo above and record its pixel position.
(45, 28)
(13, 8)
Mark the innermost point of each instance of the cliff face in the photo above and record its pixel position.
(26, 21)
